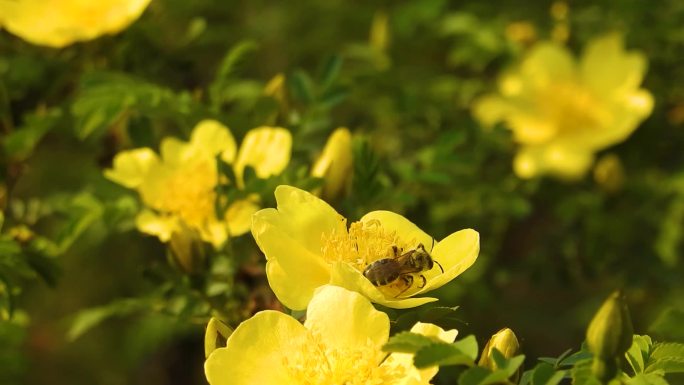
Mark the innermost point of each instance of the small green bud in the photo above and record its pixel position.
(610, 332)
(505, 342)
(604, 370)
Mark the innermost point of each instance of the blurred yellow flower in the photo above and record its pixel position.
(334, 164)
(340, 343)
(561, 111)
(58, 23)
(178, 188)
(307, 245)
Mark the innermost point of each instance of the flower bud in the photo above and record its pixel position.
(187, 250)
(215, 336)
(505, 342)
(335, 163)
(610, 332)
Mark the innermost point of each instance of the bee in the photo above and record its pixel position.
(402, 267)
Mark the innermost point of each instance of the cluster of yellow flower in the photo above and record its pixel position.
(561, 112)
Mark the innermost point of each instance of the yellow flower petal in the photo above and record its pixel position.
(266, 149)
(131, 167)
(455, 253)
(335, 163)
(256, 351)
(302, 216)
(60, 23)
(564, 160)
(175, 152)
(211, 138)
(293, 272)
(239, 216)
(346, 319)
(161, 226)
(608, 69)
(344, 275)
(405, 229)
(547, 63)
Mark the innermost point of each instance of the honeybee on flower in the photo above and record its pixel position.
(562, 111)
(307, 244)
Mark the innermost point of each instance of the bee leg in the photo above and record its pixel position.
(408, 280)
(433, 245)
(424, 281)
(395, 251)
(440, 265)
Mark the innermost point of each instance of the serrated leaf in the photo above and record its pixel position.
(508, 365)
(667, 357)
(407, 342)
(582, 375)
(467, 345)
(638, 353)
(473, 376)
(441, 354)
(439, 315)
(545, 374)
(647, 379)
(575, 358)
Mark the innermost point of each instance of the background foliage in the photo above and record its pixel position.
(71, 258)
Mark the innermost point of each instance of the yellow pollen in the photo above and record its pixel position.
(314, 363)
(189, 193)
(362, 244)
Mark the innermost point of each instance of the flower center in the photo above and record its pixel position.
(362, 244)
(314, 363)
(188, 192)
(572, 107)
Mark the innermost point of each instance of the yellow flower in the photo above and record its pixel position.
(307, 245)
(58, 23)
(339, 343)
(178, 188)
(334, 164)
(562, 112)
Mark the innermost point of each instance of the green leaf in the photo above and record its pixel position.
(329, 71)
(302, 87)
(474, 376)
(669, 324)
(545, 374)
(666, 357)
(508, 365)
(108, 98)
(19, 144)
(462, 352)
(441, 354)
(89, 318)
(582, 375)
(647, 379)
(232, 59)
(439, 315)
(407, 342)
(638, 353)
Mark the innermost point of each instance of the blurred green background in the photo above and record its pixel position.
(551, 250)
